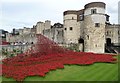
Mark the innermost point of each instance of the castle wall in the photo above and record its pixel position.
(20, 31)
(59, 35)
(48, 33)
(25, 38)
(112, 32)
(26, 30)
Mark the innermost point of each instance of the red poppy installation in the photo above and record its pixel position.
(45, 56)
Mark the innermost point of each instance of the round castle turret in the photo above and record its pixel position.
(70, 26)
(86, 26)
(94, 27)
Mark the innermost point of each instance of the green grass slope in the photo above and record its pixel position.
(95, 72)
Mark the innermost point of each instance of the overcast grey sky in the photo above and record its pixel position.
(26, 13)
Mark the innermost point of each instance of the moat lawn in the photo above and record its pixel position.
(95, 72)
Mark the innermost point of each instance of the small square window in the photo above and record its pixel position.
(97, 24)
(93, 11)
(71, 28)
(65, 28)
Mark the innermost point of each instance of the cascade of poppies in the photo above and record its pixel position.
(45, 46)
(46, 55)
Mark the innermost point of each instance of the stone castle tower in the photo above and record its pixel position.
(40, 26)
(71, 28)
(87, 27)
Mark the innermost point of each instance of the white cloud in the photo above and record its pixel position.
(20, 13)
(18, 1)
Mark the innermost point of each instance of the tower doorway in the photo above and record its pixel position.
(81, 44)
(108, 42)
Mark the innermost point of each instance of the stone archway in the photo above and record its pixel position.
(81, 44)
(108, 41)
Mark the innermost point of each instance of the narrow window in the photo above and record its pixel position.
(107, 18)
(88, 37)
(81, 17)
(118, 32)
(65, 28)
(96, 45)
(97, 24)
(58, 32)
(71, 28)
(72, 18)
(107, 33)
(93, 11)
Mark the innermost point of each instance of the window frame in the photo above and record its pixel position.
(93, 11)
(97, 24)
(71, 28)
